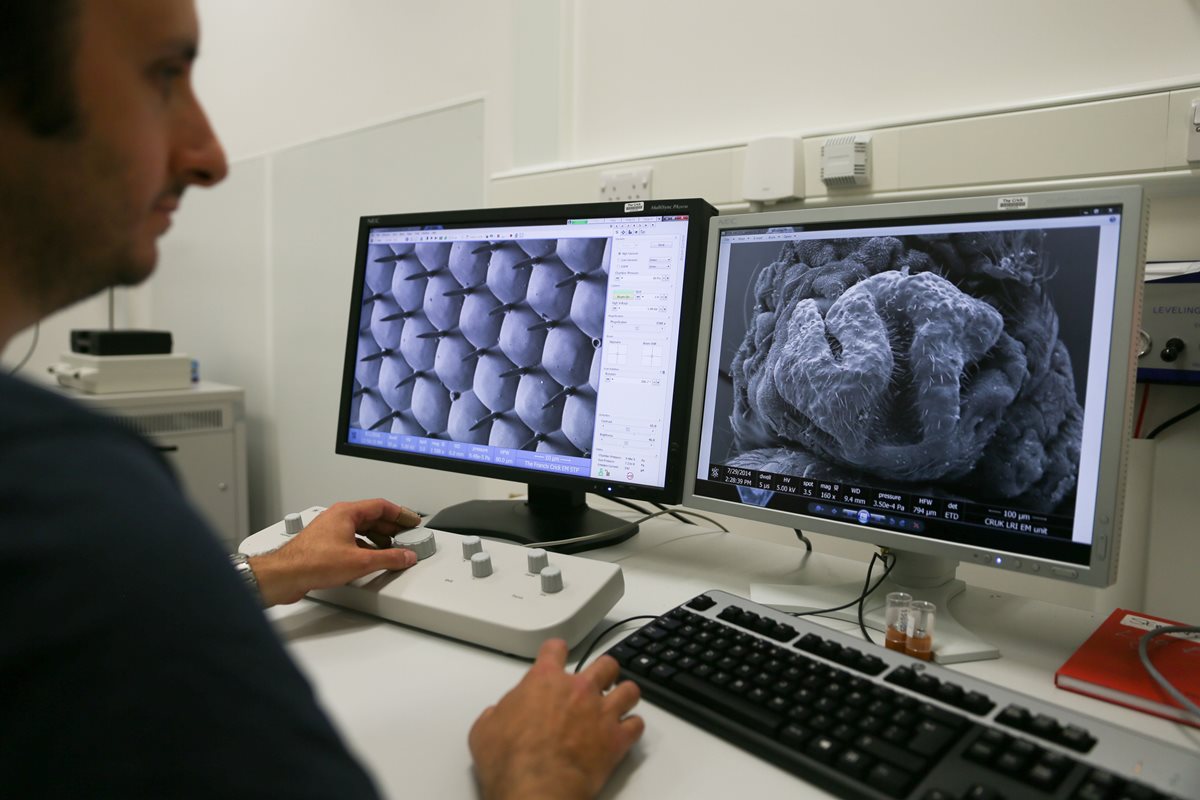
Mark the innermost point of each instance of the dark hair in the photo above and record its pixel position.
(37, 47)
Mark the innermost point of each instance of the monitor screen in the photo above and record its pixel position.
(949, 378)
(540, 345)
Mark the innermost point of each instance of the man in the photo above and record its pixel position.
(133, 662)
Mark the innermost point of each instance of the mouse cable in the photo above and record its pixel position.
(1159, 678)
(588, 652)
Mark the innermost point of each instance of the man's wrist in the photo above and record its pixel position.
(241, 565)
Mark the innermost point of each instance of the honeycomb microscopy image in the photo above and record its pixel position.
(953, 364)
(481, 342)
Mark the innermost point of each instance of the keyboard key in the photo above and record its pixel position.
(930, 738)
(701, 603)
(823, 748)
(977, 703)
(795, 735)
(889, 779)
(854, 763)
(1076, 738)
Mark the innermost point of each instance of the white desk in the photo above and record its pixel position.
(405, 700)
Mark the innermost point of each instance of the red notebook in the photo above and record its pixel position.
(1107, 666)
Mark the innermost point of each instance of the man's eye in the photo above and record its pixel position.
(167, 77)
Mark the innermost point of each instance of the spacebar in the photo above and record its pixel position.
(727, 703)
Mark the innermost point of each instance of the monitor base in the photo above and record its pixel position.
(926, 579)
(547, 516)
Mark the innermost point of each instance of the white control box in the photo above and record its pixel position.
(507, 609)
(106, 374)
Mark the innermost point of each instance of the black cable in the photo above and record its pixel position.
(862, 600)
(1177, 418)
(627, 503)
(642, 510)
(619, 532)
(586, 653)
(862, 597)
(37, 327)
(800, 535)
(673, 513)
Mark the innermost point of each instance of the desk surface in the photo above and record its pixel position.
(405, 699)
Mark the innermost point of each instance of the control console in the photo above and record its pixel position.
(487, 592)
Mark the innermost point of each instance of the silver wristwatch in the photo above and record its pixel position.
(241, 563)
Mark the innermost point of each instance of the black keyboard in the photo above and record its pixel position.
(861, 721)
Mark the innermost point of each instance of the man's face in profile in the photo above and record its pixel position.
(84, 208)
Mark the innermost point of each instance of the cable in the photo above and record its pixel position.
(800, 535)
(620, 530)
(1177, 418)
(627, 503)
(37, 327)
(863, 596)
(679, 515)
(862, 600)
(1167, 686)
(586, 653)
(1137, 429)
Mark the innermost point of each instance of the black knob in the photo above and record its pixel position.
(1172, 350)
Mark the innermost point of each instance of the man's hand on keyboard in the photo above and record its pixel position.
(556, 735)
(328, 553)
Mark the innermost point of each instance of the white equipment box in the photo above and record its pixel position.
(107, 374)
(483, 591)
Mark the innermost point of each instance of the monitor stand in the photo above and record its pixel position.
(545, 516)
(924, 577)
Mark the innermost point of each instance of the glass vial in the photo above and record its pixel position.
(897, 620)
(920, 630)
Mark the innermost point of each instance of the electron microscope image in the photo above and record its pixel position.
(944, 362)
(488, 343)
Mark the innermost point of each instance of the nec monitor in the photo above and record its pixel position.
(950, 379)
(546, 345)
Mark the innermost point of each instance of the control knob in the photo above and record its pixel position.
(538, 561)
(471, 545)
(292, 524)
(419, 540)
(552, 581)
(481, 565)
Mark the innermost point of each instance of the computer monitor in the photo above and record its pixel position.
(950, 379)
(547, 345)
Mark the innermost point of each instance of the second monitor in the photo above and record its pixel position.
(547, 345)
(950, 379)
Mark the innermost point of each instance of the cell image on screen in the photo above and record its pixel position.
(482, 342)
(948, 364)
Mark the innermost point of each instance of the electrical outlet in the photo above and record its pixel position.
(625, 185)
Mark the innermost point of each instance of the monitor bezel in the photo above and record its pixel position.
(699, 214)
(1118, 399)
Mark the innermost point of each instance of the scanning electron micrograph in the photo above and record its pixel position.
(482, 342)
(941, 361)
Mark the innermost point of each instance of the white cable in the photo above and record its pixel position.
(1167, 686)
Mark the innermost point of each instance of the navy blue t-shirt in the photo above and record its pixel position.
(133, 662)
